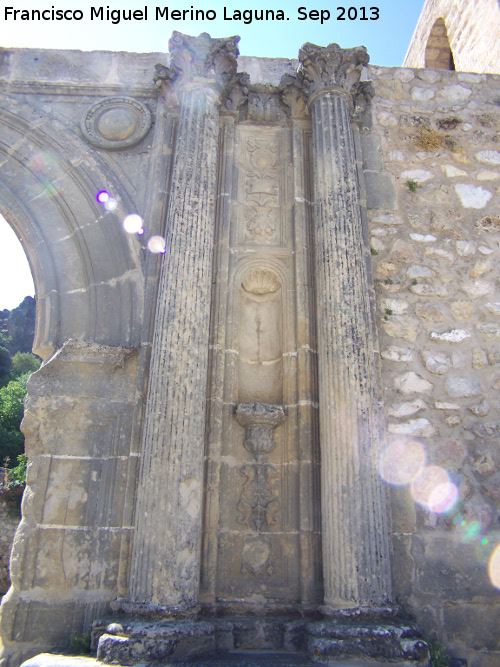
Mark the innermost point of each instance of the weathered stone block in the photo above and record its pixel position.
(462, 387)
(380, 190)
(372, 152)
(472, 624)
(450, 570)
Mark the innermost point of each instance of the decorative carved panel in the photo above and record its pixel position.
(260, 190)
(261, 522)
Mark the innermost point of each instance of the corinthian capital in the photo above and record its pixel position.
(204, 60)
(331, 67)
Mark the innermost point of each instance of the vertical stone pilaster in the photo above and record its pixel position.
(354, 525)
(166, 551)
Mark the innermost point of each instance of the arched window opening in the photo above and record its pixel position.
(438, 53)
(16, 280)
(17, 331)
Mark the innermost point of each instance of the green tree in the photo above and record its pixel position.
(11, 414)
(24, 362)
(5, 366)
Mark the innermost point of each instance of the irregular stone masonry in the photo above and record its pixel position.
(470, 29)
(9, 520)
(435, 251)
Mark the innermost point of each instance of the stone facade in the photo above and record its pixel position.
(9, 520)
(433, 153)
(468, 31)
(254, 421)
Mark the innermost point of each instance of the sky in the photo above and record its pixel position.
(386, 38)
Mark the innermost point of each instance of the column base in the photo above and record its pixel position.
(357, 637)
(131, 641)
(366, 636)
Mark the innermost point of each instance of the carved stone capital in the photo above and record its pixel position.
(331, 67)
(199, 63)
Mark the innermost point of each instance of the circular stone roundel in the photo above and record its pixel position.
(116, 122)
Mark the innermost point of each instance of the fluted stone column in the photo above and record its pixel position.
(166, 552)
(354, 524)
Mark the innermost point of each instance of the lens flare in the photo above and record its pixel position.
(494, 567)
(433, 489)
(473, 529)
(132, 224)
(111, 204)
(402, 460)
(102, 196)
(157, 244)
(47, 172)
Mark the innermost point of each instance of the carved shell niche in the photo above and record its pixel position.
(261, 282)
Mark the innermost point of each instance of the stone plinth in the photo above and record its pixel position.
(154, 642)
(366, 636)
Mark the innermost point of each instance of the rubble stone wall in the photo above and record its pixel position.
(432, 169)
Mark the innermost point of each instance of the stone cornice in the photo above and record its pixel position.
(331, 68)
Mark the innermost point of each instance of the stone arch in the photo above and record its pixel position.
(85, 268)
(438, 53)
(80, 405)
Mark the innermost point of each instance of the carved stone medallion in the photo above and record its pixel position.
(115, 123)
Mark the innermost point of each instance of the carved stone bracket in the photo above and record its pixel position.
(258, 505)
(362, 95)
(331, 67)
(294, 95)
(259, 421)
(237, 95)
(264, 105)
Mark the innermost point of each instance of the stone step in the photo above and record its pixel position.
(235, 659)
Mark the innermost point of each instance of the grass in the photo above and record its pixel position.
(429, 139)
(439, 656)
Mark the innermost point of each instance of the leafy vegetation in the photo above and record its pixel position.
(11, 491)
(439, 656)
(16, 365)
(17, 475)
(11, 414)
